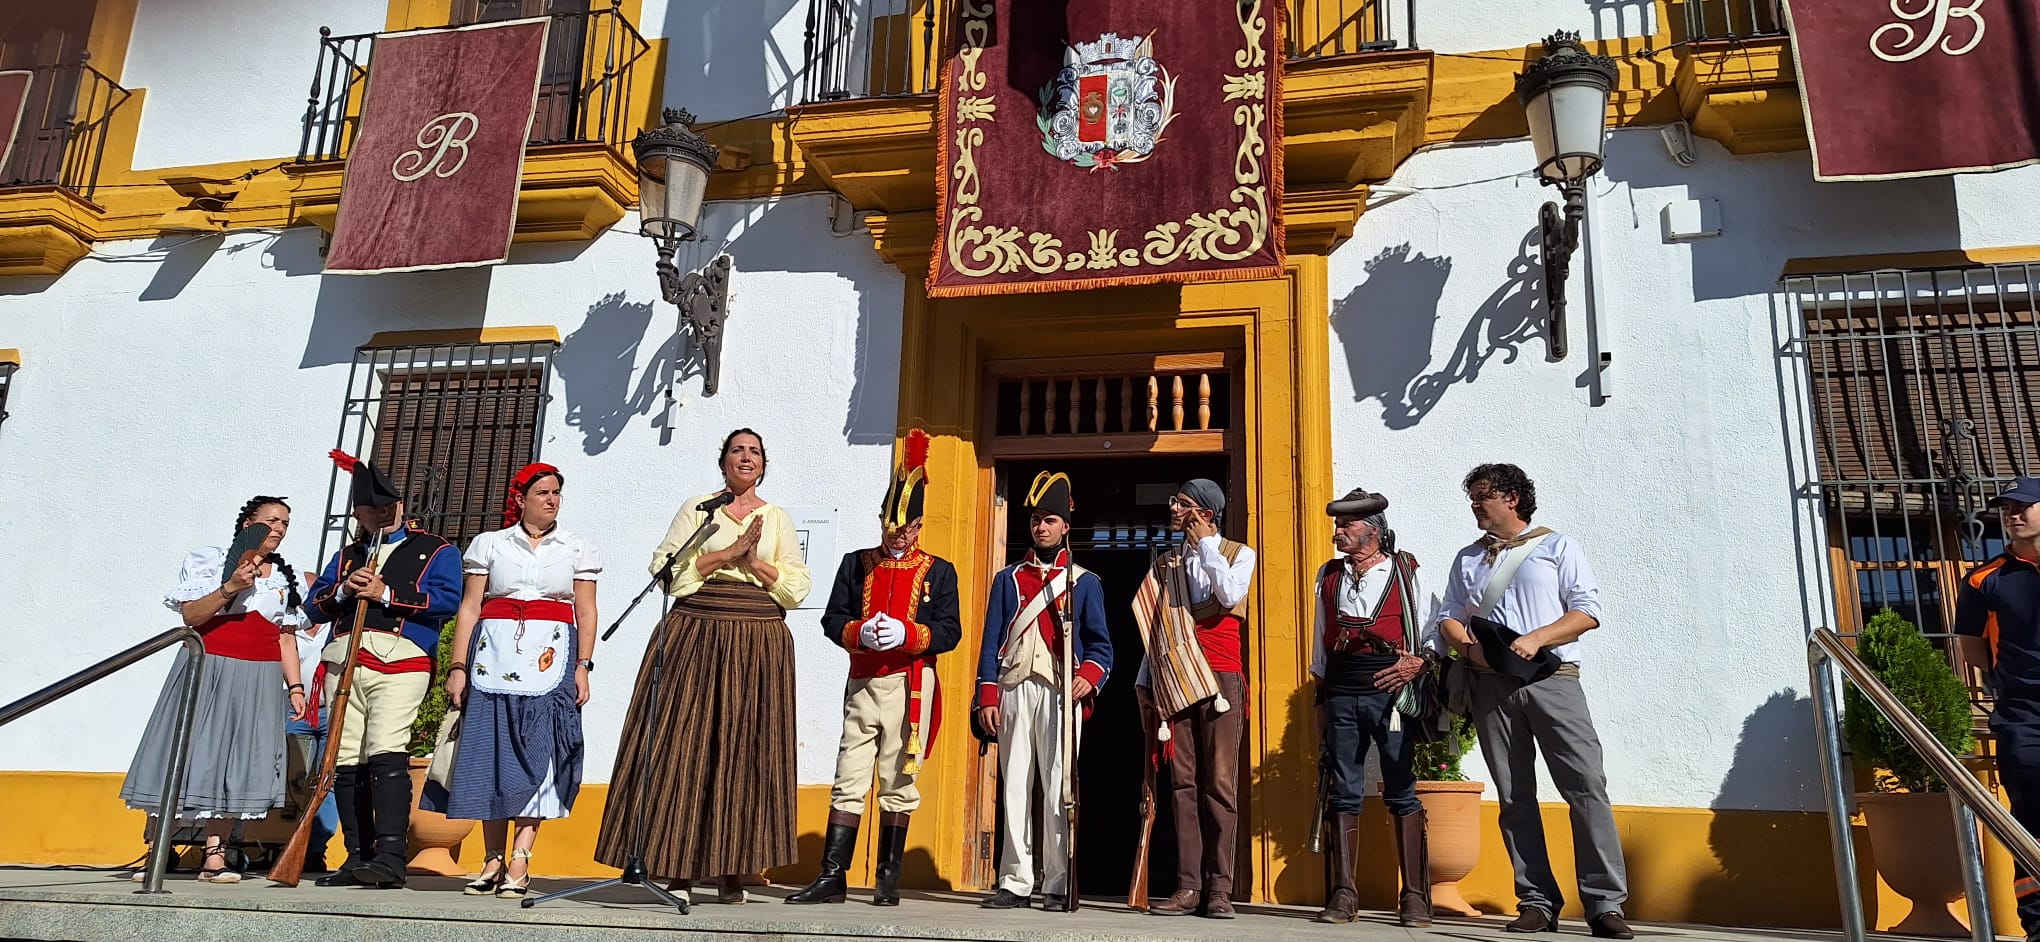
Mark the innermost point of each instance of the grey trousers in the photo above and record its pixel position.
(1515, 721)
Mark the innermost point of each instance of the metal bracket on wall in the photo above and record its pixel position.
(1561, 236)
(704, 301)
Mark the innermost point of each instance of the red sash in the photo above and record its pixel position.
(243, 637)
(510, 609)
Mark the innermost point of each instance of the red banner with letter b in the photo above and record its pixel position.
(433, 175)
(1911, 88)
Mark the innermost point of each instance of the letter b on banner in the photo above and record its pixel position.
(448, 132)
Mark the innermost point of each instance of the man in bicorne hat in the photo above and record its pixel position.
(894, 608)
(411, 591)
(1374, 632)
(1192, 610)
(1022, 685)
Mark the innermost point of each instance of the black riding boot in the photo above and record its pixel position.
(892, 848)
(357, 824)
(838, 843)
(390, 796)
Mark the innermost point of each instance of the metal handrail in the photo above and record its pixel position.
(180, 732)
(1970, 799)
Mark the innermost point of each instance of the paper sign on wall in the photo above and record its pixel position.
(816, 527)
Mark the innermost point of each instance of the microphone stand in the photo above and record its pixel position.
(634, 873)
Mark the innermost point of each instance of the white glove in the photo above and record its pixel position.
(889, 634)
(867, 635)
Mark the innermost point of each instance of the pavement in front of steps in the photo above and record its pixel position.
(89, 906)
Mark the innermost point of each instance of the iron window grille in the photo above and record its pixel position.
(449, 423)
(6, 384)
(1924, 389)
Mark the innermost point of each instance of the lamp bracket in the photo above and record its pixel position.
(1561, 237)
(704, 300)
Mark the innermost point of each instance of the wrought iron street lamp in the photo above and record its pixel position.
(673, 165)
(1565, 96)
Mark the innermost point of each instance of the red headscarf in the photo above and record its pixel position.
(513, 512)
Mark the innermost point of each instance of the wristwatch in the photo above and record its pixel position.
(590, 665)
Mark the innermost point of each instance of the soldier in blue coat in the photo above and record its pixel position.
(411, 591)
(1022, 685)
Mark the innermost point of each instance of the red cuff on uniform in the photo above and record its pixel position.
(849, 637)
(1092, 671)
(918, 637)
(988, 695)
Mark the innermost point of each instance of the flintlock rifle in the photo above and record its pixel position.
(290, 863)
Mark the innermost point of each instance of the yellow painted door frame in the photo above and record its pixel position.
(1280, 326)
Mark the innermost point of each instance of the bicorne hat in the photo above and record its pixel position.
(370, 487)
(906, 497)
(1050, 494)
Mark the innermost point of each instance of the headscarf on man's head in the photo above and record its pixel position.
(1207, 494)
(513, 506)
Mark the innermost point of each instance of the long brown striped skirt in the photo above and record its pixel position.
(717, 764)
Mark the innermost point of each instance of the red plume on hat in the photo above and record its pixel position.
(368, 486)
(908, 492)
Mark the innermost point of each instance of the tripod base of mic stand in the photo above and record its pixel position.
(633, 874)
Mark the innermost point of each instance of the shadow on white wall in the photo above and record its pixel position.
(1388, 325)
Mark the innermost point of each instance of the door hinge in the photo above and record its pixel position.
(984, 845)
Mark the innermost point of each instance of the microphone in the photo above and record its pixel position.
(709, 505)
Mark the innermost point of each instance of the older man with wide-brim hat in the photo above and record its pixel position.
(1373, 632)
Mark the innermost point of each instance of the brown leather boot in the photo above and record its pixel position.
(1344, 903)
(1180, 903)
(1415, 853)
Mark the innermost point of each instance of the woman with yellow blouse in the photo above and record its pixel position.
(719, 758)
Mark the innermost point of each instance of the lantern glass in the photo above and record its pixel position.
(670, 190)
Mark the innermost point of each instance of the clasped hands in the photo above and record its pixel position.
(365, 583)
(882, 632)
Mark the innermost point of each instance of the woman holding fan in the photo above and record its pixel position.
(246, 609)
(525, 631)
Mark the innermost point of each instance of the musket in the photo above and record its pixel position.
(1317, 823)
(290, 862)
(1137, 892)
(1070, 718)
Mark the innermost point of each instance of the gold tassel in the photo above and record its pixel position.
(913, 763)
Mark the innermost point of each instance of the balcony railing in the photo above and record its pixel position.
(1320, 28)
(870, 49)
(61, 139)
(584, 92)
(1728, 20)
(887, 48)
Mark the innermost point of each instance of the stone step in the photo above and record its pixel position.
(89, 906)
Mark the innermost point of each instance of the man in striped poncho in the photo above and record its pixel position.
(1192, 609)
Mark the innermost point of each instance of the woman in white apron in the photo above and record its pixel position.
(527, 629)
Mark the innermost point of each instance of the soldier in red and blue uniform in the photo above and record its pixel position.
(1997, 613)
(894, 609)
(1021, 686)
(411, 591)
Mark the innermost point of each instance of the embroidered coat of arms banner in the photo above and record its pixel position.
(1912, 88)
(433, 174)
(1093, 143)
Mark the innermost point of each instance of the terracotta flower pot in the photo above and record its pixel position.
(1913, 839)
(1452, 829)
(435, 839)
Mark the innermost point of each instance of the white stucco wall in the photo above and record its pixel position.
(1679, 485)
(139, 426)
(732, 58)
(1477, 25)
(238, 93)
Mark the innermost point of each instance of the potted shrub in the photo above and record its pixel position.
(1912, 832)
(435, 839)
(1451, 816)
